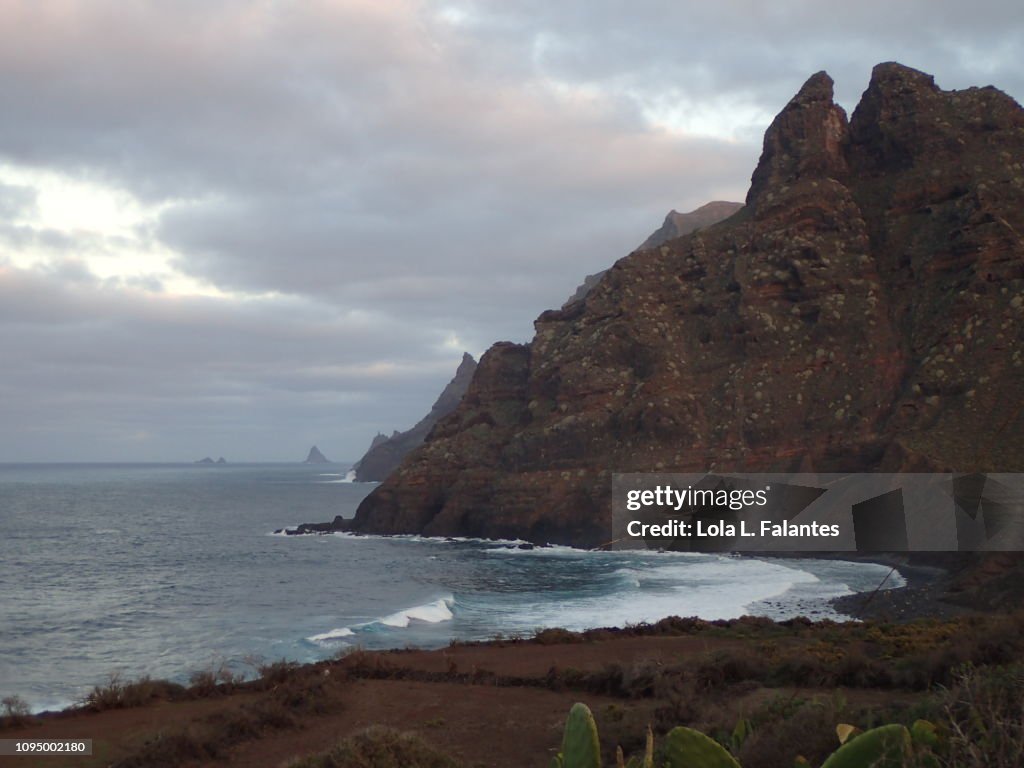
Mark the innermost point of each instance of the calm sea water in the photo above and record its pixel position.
(164, 570)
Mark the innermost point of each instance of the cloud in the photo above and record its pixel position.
(250, 221)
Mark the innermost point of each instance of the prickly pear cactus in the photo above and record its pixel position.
(687, 748)
(883, 747)
(580, 745)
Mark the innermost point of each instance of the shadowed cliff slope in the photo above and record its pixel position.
(386, 453)
(675, 225)
(864, 311)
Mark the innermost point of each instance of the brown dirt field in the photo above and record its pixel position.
(449, 697)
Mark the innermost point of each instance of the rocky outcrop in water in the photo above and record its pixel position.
(315, 457)
(864, 311)
(386, 453)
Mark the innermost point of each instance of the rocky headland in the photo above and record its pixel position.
(864, 311)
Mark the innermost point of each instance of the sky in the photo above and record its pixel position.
(239, 229)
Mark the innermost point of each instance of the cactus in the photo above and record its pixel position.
(924, 733)
(580, 746)
(888, 746)
(740, 734)
(687, 748)
(884, 747)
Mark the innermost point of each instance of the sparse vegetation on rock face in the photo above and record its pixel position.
(862, 312)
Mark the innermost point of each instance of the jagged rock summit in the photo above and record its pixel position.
(865, 311)
(315, 457)
(386, 453)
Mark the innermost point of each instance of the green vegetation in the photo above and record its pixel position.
(981, 725)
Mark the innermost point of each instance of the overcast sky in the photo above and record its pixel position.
(242, 228)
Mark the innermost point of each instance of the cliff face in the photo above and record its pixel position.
(865, 311)
(386, 453)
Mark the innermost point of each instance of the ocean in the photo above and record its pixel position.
(165, 570)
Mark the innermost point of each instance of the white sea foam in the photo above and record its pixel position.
(334, 634)
(548, 550)
(428, 613)
(503, 545)
(434, 612)
(711, 587)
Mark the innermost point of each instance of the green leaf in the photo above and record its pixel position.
(580, 745)
(882, 747)
(687, 748)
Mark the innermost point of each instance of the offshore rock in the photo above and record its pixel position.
(316, 457)
(863, 312)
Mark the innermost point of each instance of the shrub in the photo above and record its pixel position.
(379, 747)
(15, 712)
(117, 694)
(985, 711)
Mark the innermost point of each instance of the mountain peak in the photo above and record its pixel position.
(891, 75)
(807, 139)
(817, 88)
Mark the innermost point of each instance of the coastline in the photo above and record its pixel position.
(502, 703)
(928, 582)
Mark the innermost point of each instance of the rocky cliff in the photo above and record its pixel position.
(386, 453)
(678, 224)
(864, 311)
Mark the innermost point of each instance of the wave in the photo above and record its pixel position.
(645, 589)
(434, 612)
(428, 613)
(334, 634)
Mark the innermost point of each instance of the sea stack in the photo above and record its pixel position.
(315, 457)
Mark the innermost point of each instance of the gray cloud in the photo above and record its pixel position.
(389, 175)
